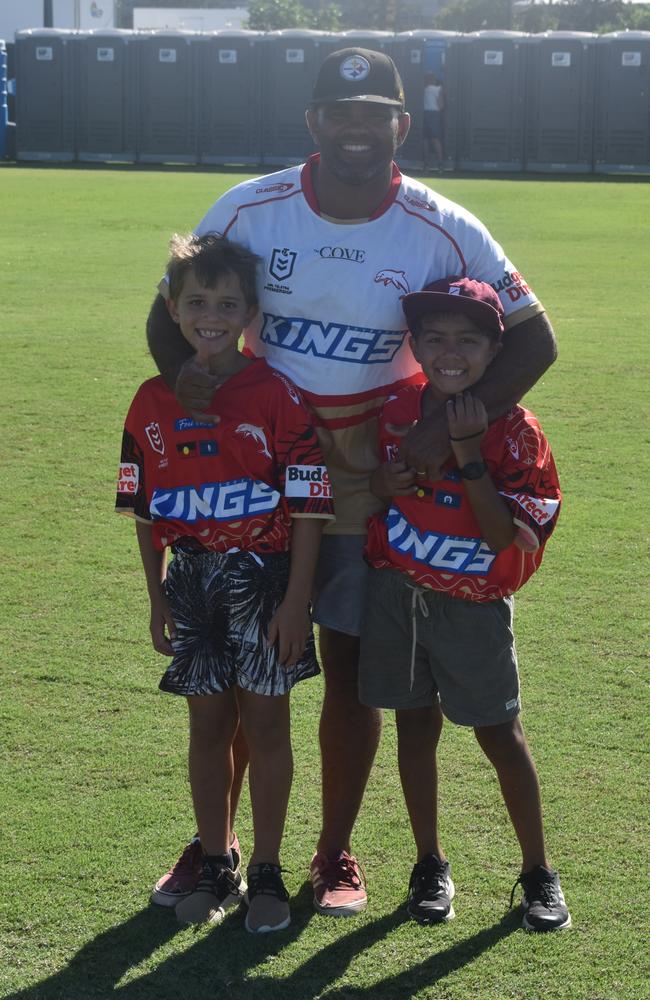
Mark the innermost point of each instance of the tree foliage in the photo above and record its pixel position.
(574, 15)
(273, 15)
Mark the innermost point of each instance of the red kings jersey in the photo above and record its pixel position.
(234, 485)
(433, 535)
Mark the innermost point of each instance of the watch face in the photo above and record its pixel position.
(473, 470)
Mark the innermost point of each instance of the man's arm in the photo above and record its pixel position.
(168, 347)
(528, 349)
(184, 371)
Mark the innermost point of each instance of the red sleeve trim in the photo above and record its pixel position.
(256, 204)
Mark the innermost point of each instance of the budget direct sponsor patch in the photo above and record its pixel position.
(307, 481)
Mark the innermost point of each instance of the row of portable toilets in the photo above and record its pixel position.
(560, 101)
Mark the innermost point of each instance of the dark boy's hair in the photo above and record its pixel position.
(481, 328)
(209, 258)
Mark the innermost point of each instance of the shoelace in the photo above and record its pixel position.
(188, 859)
(429, 874)
(215, 879)
(543, 890)
(342, 871)
(266, 878)
(417, 601)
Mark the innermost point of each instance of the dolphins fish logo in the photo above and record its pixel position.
(250, 430)
(387, 276)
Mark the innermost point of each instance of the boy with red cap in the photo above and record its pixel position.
(446, 557)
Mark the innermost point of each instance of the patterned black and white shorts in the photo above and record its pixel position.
(222, 604)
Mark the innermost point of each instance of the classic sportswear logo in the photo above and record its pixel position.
(214, 501)
(388, 276)
(356, 344)
(419, 203)
(274, 188)
(470, 556)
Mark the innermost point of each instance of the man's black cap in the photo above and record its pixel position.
(359, 75)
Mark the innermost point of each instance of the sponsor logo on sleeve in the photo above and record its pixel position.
(307, 481)
(392, 452)
(128, 478)
(541, 510)
(513, 285)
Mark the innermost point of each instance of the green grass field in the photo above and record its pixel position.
(93, 796)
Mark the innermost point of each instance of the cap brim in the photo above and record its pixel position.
(418, 304)
(366, 98)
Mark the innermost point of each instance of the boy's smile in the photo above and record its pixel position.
(212, 319)
(453, 352)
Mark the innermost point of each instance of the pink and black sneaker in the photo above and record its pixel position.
(182, 878)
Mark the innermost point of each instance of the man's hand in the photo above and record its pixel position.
(425, 447)
(195, 386)
(290, 628)
(393, 479)
(162, 625)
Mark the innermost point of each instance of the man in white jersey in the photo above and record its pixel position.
(342, 238)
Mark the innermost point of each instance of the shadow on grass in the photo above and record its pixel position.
(219, 963)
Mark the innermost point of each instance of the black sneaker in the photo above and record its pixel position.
(267, 899)
(542, 900)
(431, 891)
(219, 888)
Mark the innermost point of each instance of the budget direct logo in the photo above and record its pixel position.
(128, 478)
(307, 481)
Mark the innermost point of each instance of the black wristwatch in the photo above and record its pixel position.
(473, 470)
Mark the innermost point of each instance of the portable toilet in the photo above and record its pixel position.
(622, 115)
(106, 85)
(45, 99)
(4, 107)
(489, 100)
(558, 134)
(230, 96)
(378, 41)
(290, 63)
(167, 96)
(418, 53)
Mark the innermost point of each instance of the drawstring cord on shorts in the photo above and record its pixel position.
(417, 601)
(253, 555)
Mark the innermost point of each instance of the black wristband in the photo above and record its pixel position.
(467, 436)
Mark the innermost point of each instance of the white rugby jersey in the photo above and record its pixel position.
(330, 302)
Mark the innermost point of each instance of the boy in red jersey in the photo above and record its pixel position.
(446, 557)
(241, 504)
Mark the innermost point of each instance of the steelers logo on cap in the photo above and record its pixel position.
(354, 68)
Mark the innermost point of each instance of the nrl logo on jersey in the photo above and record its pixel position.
(282, 263)
(155, 437)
